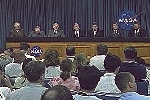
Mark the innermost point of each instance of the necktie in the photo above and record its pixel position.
(94, 33)
(55, 31)
(76, 33)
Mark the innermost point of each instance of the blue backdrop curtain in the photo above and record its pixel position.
(66, 12)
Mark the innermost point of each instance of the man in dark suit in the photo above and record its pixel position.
(37, 32)
(17, 31)
(129, 65)
(95, 31)
(56, 32)
(137, 31)
(115, 31)
(77, 32)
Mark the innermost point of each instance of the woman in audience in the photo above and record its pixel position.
(22, 80)
(80, 60)
(65, 77)
(4, 80)
(51, 59)
(5, 84)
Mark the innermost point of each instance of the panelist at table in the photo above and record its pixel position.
(17, 31)
(55, 32)
(37, 32)
(137, 31)
(77, 32)
(95, 31)
(115, 31)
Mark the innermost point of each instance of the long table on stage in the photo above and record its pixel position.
(86, 45)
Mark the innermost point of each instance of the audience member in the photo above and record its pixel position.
(129, 65)
(55, 32)
(26, 48)
(57, 92)
(70, 53)
(77, 32)
(17, 31)
(88, 78)
(22, 81)
(115, 31)
(6, 57)
(37, 32)
(95, 31)
(107, 81)
(34, 71)
(15, 68)
(80, 60)
(98, 60)
(125, 82)
(4, 80)
(137, 31)
(51, 59)
(65, 77)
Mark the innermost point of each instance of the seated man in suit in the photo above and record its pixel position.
(17, 31)
(77, 32)
(129, 65)
(56, 32)
(126, 83)
(37, 32)
(137, 31)
(95, 31)
(115, 31)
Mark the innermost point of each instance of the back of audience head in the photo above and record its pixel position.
(102, 49)
(18, 56)
(24, 46)
(80, 60)
(130, 52)
(70, 51)
(57, 92)
(34, 71)
(66, 67)
(125, 82)
(89, 77)
(112, 63)
(51, 58)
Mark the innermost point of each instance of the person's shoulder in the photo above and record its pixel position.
(50, 31)
(61, 31)
(42, 32)
(11, 30)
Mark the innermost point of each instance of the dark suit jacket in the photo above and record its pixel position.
(14, 33)
(60, 33)
(81, 33)
(120, 33)
(33, 34)
(99, 33)
(142, 33)
(138, 70)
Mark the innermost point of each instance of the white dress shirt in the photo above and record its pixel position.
(98, 61)
(107, 84)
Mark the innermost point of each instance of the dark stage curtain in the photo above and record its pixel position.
(66, 12)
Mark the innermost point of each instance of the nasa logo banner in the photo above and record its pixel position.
(126, 19)
(36, 51)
